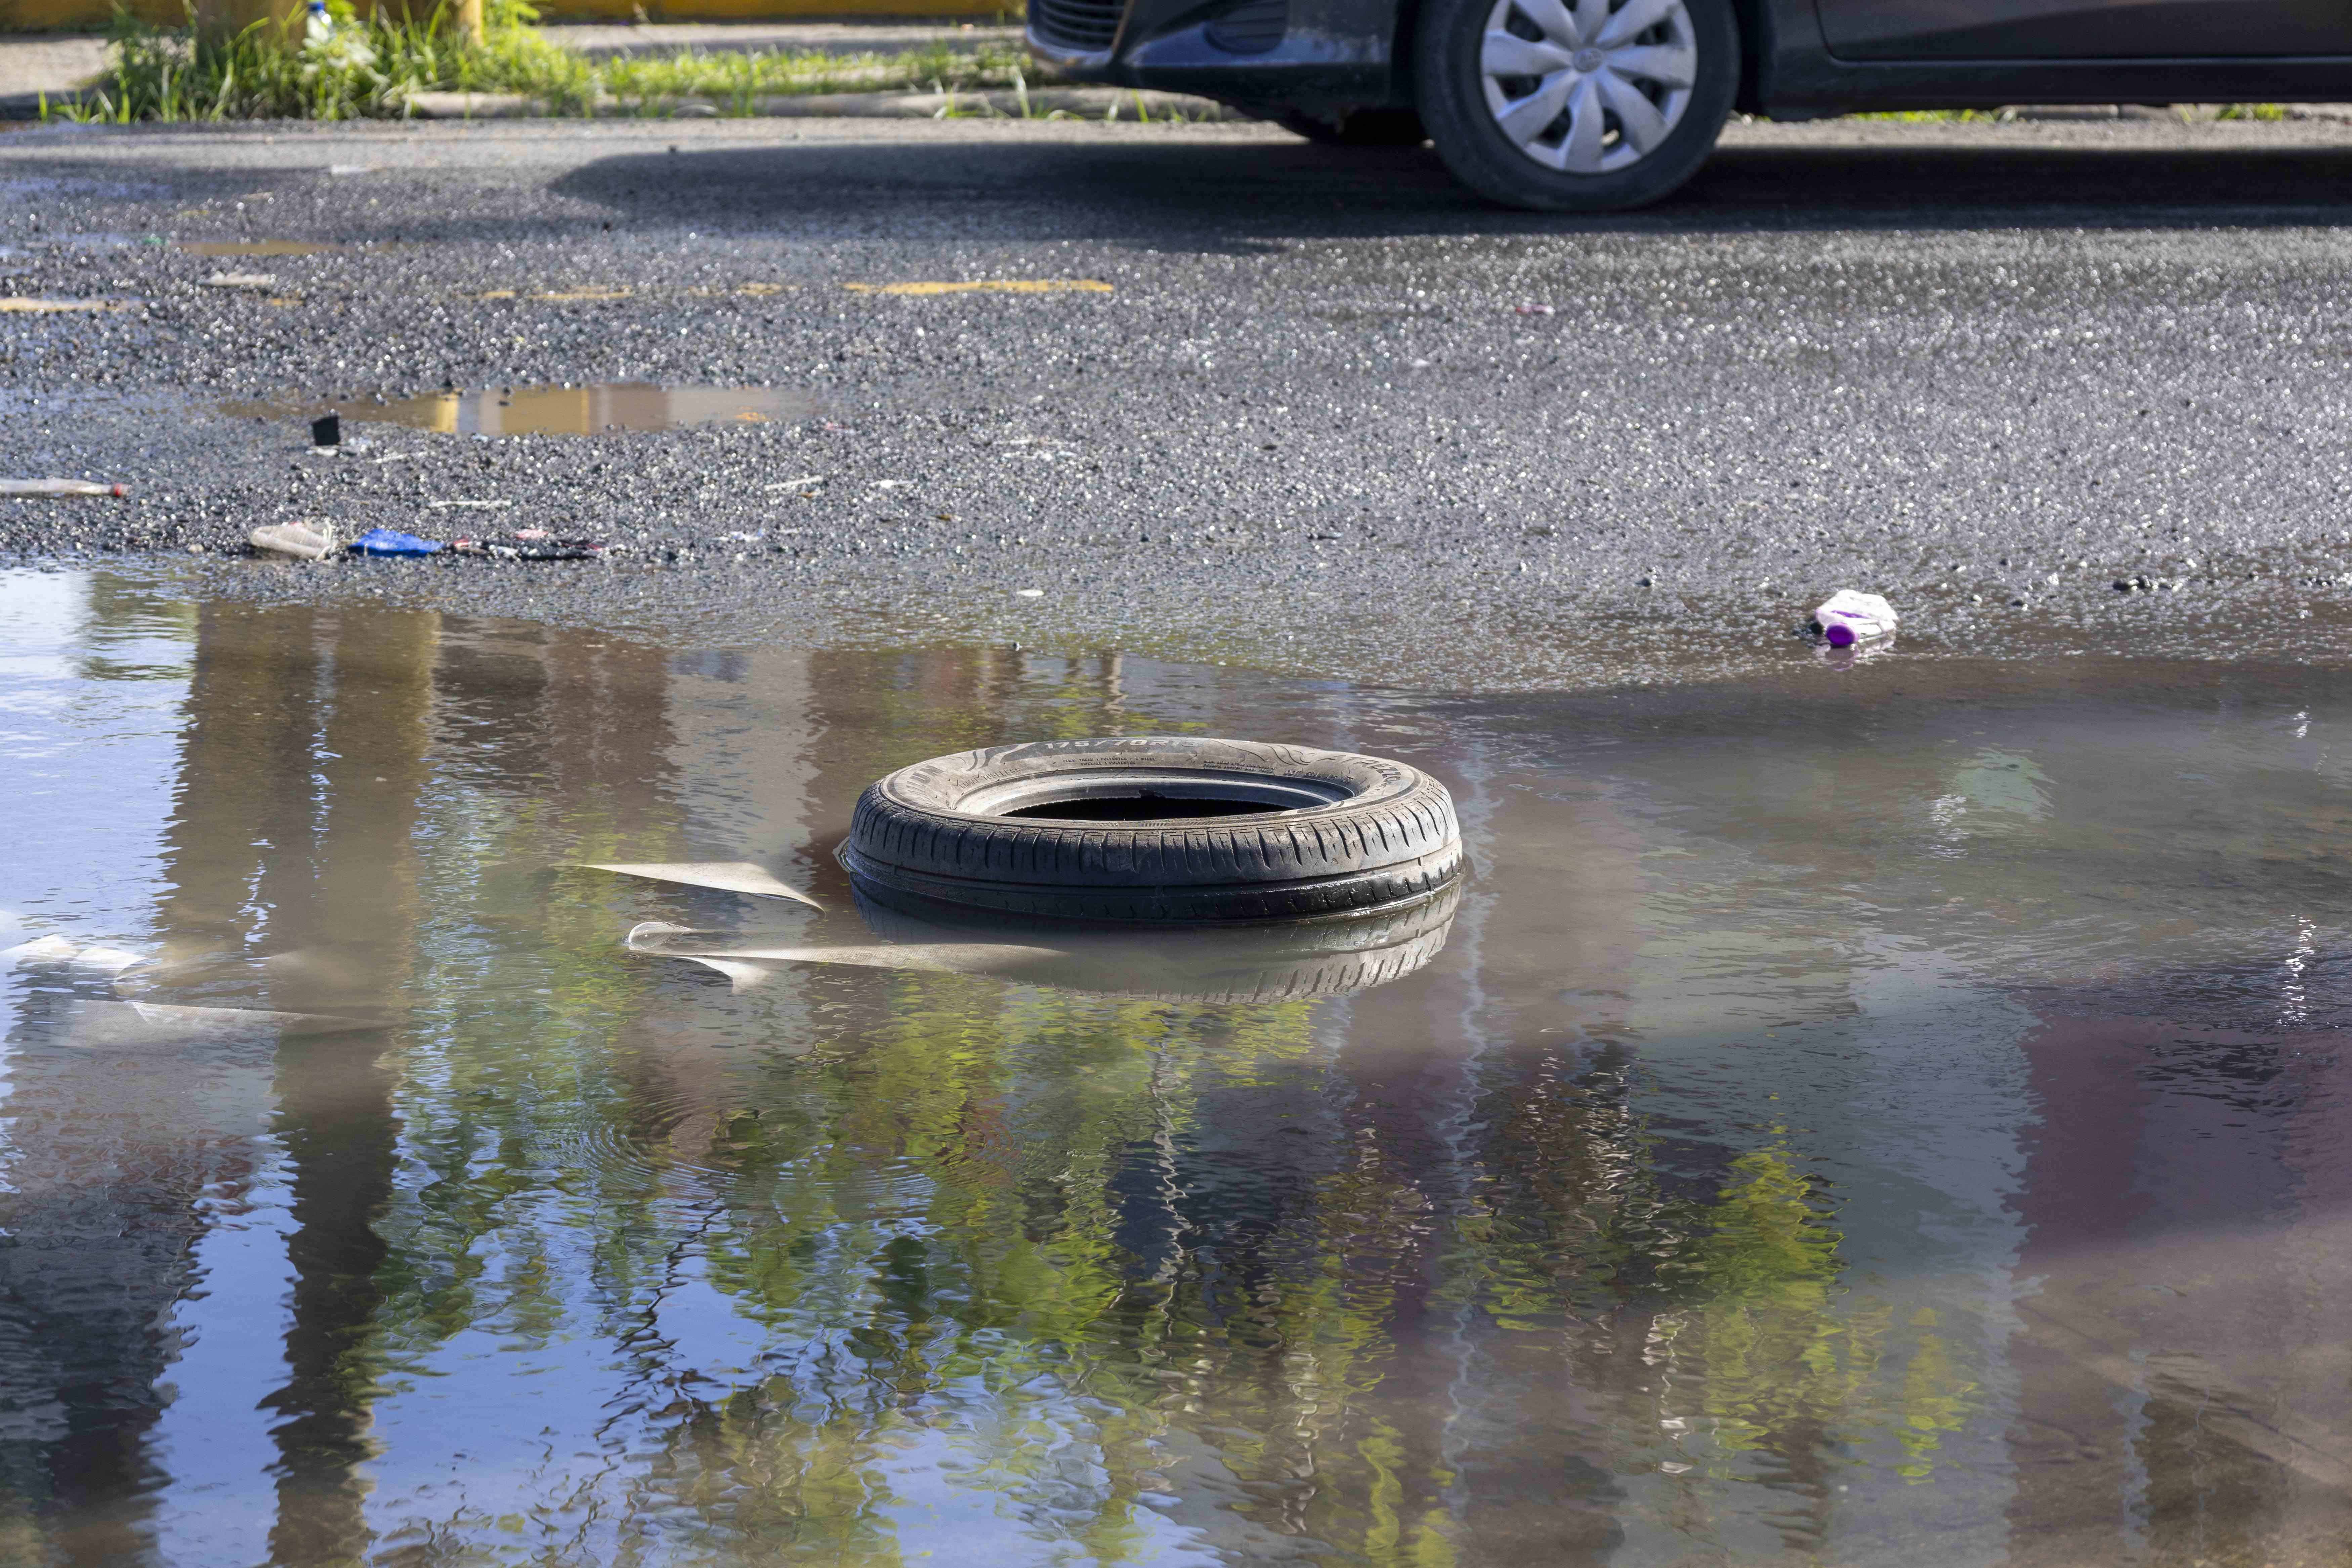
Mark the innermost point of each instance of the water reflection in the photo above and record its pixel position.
(1259, 964)
(1865, 1121)
(587, 410)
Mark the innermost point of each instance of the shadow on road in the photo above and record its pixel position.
(1229, 197)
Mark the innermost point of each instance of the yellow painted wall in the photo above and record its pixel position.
(90, 16)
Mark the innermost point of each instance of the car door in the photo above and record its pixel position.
(2084, 29)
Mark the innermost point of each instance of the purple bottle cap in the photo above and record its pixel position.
(1837, 633)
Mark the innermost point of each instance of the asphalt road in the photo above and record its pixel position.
(1988, 370)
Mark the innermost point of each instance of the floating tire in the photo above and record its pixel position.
(1157, 829)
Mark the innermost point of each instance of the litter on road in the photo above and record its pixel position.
(990, 286)
(1847, 617)
(327, 430)
(60, 488)
(392, 542)
(256, 281)
(17, 305)
(304, 541)
(531, 544)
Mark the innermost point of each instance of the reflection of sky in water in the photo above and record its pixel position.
(91, 680)
(1894, 1131)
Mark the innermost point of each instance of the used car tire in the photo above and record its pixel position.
(1357, 128)
(1163, 829)
(1575, 105)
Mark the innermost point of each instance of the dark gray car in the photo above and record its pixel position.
(1588, 105)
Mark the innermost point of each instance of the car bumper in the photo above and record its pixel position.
(1308, 54)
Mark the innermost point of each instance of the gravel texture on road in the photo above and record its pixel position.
(1329, 413)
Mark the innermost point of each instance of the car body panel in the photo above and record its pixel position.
(1338, 54)
(2084, 29)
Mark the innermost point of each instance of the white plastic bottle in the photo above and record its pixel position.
(317, 26)
(1847, 617)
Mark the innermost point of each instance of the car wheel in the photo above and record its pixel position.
(1357, 128)
(1575, 105)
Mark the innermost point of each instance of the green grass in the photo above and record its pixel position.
(2003, 116)
(369, 68)
(733, 83)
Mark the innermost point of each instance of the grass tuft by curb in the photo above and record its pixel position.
(371, 67)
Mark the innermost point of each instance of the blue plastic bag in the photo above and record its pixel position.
(392, 542)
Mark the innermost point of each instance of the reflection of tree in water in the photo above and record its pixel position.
(1019, 1234)
(1715, 1326)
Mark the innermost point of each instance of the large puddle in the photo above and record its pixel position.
(1887, 1117)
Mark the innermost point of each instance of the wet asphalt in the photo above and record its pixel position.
(1329, 414)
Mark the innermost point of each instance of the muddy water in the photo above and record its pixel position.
(1890, 1115)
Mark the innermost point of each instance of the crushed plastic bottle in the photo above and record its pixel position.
(306, 540)
(1847, 617)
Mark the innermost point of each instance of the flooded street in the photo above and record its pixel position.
(1888, 1115)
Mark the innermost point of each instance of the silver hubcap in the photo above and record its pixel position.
(1585, 89)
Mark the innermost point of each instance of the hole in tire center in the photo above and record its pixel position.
(1149, 792)
(1144, 806)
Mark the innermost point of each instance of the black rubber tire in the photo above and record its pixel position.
(1224, 964)
(1454, 107)
(1357, 128)
(1382, 835)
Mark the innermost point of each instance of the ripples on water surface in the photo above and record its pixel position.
(1886, 1117)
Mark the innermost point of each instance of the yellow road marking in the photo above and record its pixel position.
(989, 286)
(566, 296)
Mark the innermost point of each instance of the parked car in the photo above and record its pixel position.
(1593, 105)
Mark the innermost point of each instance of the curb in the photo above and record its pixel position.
(1075, 102)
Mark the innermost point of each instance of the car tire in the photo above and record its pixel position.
(1614, 85)
(1157, 829)
(1357, 128)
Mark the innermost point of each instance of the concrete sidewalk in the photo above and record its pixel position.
(32, 64)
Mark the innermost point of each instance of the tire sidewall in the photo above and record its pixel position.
(1391, 843)
(1453, 103)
